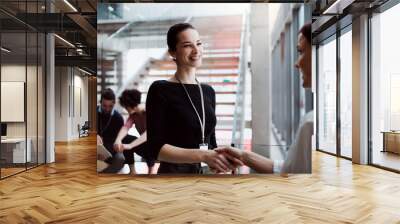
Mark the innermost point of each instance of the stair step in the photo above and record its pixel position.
(220, 51)
(198, 75)
(203, 66)
(216, 92)
(225, 103)
(221, 83)
(198, 71)
(223, 129)
(205, 60)
(224, 115)
(225, 92)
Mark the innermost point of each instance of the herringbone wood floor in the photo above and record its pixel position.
(70, 191)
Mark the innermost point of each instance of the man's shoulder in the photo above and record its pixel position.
(117, 115)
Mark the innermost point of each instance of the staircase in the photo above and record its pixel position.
(116, 38)
(220, 68)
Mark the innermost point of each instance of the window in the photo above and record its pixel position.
(346, 93)
(22, 74)
(326, 140)
(385, 89)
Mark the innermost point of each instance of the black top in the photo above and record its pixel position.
(172, 120)
(108, 126)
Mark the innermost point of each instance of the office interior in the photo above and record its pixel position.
(357, 83)
(353, 96)
(47, 79)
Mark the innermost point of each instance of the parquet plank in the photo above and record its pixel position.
(70, 191)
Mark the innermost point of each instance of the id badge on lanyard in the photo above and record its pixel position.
(203, 146)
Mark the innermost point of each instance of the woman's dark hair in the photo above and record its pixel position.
(172, 35)
(306, 31)
(107, 94)
(130, 98)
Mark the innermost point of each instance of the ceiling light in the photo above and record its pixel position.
(65, 41)
(337, 7)
(5, 50)
(70, 5)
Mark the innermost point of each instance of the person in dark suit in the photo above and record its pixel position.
(109, 122)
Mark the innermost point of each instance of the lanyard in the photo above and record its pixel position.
(202, 123)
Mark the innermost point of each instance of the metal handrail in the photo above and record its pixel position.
(239, 102)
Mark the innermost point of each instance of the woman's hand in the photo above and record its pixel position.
(235, 156)
(221, 162)
(253, 160)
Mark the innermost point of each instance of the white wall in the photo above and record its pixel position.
(71, 96)
(33, 126)
(12, 73)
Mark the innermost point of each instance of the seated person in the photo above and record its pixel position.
(109, 122)
(130, 100)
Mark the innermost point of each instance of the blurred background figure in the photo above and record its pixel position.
(128, 144)
(109, 122)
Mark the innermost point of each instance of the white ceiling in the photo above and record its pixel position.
(133, 12)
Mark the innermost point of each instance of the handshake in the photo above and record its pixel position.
(225, 159)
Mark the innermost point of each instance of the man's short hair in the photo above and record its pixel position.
(107, 94)
(130, 98)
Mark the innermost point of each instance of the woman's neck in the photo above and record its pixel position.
(186, 76)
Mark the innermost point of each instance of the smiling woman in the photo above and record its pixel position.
(181, 111)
